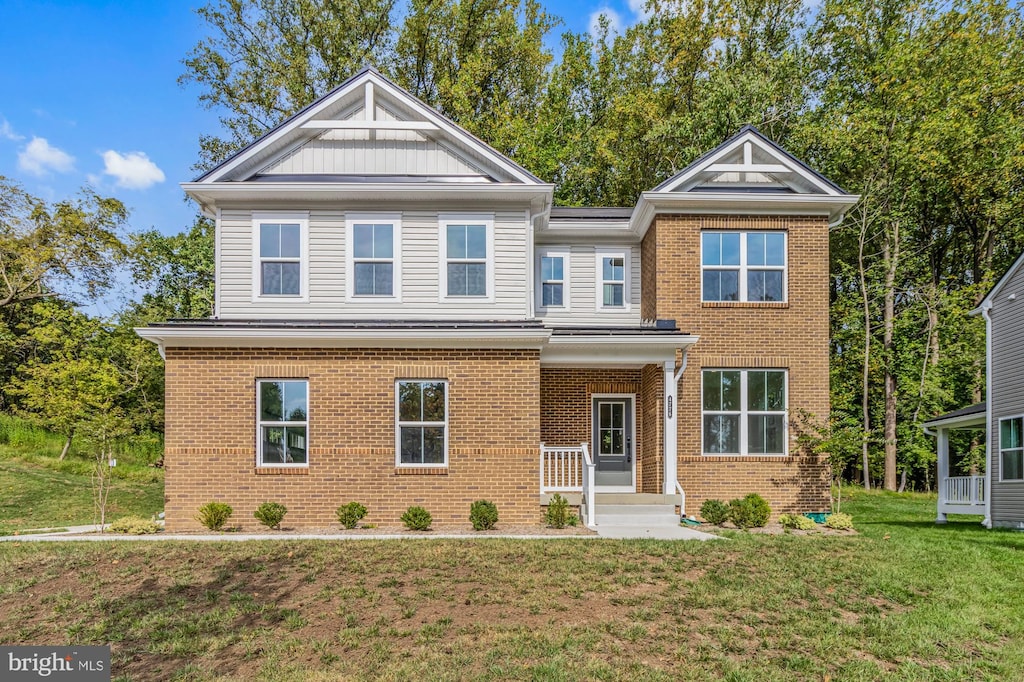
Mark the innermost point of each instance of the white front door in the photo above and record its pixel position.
(613, 436)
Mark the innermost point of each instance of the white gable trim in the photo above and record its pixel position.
(991, 296)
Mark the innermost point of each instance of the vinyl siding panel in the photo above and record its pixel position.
(1006, 392)
(327, 272)
(583, 290)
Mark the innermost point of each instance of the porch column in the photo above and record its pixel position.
(671, 408)
(942, 471)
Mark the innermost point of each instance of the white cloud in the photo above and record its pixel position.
(133, 170)
(639, 8)
(6, 131)
(38, 158)
(614, 22)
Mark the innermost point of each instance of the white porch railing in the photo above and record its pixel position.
(569, 470)
(963, 491)
(588, 488)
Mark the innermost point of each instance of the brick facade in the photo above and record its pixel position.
(493, 422)
(792, 335)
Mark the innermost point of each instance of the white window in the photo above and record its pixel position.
(467, 257)
(743, 266)
(744, 412)
(282, 421)
(553, 278)
(280, 255)
(421, 423)
(373, 249)
(612, 279)
(1011, 449)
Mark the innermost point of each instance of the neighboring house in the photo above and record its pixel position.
(999, 492)
(402, 317)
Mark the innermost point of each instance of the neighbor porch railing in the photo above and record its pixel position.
(588, 488)
(569, 470)
(968, 491)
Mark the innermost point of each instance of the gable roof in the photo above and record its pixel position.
(997, 287)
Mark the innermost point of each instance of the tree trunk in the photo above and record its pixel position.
(865, 377)
(67, 446)
(890, 258)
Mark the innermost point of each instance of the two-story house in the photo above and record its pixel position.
(402, 317)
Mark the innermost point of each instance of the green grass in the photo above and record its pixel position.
(904, 600)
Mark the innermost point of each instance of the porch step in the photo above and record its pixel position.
(636, 515)
(634, 499)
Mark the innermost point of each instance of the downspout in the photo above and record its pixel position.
(986, 307)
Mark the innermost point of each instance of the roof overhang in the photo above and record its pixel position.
(617, 350)
(961, 421)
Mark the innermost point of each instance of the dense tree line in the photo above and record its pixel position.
(917, 106)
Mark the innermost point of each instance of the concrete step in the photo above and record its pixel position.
(645, 515)
(635, 498)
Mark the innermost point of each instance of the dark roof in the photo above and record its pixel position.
(618, 331)
(977, 408)
(591, 213)
(209, 323)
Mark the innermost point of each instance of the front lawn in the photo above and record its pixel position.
(903, 600)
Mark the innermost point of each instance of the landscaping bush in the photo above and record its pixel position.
(271, 514)
(558, 512)
(750, 512)
(797, 522)
(483, 515)
(214, 515)
(839, 521)
(349, 515)
(715, 512)
(417, 518)
(134, 525)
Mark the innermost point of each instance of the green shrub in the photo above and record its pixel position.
(558, 512)
(271, 514)
(417, 518)
(214, 515)
(349, 515)
(483, 515)
(797, 522)
(714, 511)
(134, 525)
(839, 521)
(750, 512)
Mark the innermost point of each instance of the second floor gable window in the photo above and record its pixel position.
(279, 267)
(466, 246)
(374, 244)
(743, 266)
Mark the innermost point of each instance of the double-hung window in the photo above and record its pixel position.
(283, 419)
(374, 256)
(279, 255)
(612, 279)
(553, 271)
(1011, 449)
(467, 257)
(744, 412)
(743, 266)
(421, 433)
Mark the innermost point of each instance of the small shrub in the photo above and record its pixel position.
(134, 525)
(483, 515)
(417, 518)
(715, 512)
(797, 522)
(558, 512)
(349, 515)
(214, 515)
(271, 514)
(750, 512)
(839, 521)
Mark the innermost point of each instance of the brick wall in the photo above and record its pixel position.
(791, 335)
(652, 390)
(494, 431)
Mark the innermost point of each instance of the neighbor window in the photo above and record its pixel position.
(553, 271)
(743, 266)
(279, 254)
(1011, 449)
(422, 423)
(612, 279)
(283, 418)
(744, 412)
(374, 246)
(466, 245)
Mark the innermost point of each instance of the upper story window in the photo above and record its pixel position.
(743, 266)
(467, 257)
(1011, 449)
(373, 250)
(612, 279)
(280, 256)
(282, 421)
(553, 273)
(744, 412)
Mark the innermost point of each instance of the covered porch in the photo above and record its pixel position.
(958, 494)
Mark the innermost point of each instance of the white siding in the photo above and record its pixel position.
(1006, 391)
(420, 272)
(583, 288)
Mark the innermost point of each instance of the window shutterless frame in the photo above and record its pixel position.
(280, 256)
(375, 224)
(1011, 448)
(742, 411)
(419, 423)
(612, 276)
(465, 258)
(744, 266)
(553, 276)
(287, 431)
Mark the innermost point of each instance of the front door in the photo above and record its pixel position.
(613, 443)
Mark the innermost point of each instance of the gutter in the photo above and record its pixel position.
(986, 308)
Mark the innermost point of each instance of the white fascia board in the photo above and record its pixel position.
(962, 422)
(990, 297)
(586, 230)
(621, 350)
(727, 203)
(343, 338)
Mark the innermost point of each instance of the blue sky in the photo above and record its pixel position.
(90, 96)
